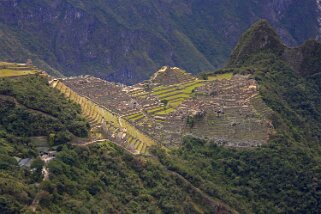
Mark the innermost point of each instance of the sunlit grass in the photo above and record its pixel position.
(151, 111)
(14, 73)
(167, 111)
(226, 76)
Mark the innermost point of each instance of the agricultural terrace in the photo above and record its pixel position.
(103, 104)
(226, 76)
(226, 108)
(16, 69)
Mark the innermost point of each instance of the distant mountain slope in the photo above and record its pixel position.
(261, 38)
(128, 40)
(282, 176)
(289, 77)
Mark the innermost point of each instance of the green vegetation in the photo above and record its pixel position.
(114, 181)
(281, 177)
(260, 38)
(273, 179)
(14, 70)
(31, 108)
(167, 111)
(226, 76)
(101, 178)
(176, 102)
(136, 116)
(12, 73)
(151, 111)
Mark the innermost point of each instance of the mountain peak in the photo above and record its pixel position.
(259, 37)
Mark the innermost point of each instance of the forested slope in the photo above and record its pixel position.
(29, 108)
(283, 176)
(99, 178)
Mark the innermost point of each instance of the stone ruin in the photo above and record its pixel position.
(228, 112)
(171, 75)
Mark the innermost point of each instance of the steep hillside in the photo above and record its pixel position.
(33, 118)
(282, 176)
(125, 41)
(31, 108)
(261, 39)
(268, 92)
(37, 121)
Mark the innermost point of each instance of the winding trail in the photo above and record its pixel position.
(17, 103)
(217, 206)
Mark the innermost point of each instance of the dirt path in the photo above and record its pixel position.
(217, 206)
(45, 173)
(13, 99)
(34, 204)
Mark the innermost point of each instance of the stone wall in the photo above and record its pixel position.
(101, 115)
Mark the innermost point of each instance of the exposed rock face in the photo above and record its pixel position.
(126, 41)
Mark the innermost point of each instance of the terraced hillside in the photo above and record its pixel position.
(233, 112)
(102, 103)
(16, 69)
(226, 108)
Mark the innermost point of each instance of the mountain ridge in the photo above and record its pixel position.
(126, 43)
(262, 38)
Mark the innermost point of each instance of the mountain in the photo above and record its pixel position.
(125, 41)
(261, 38)
(282, 176)
(194, 175)
(45, 169)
